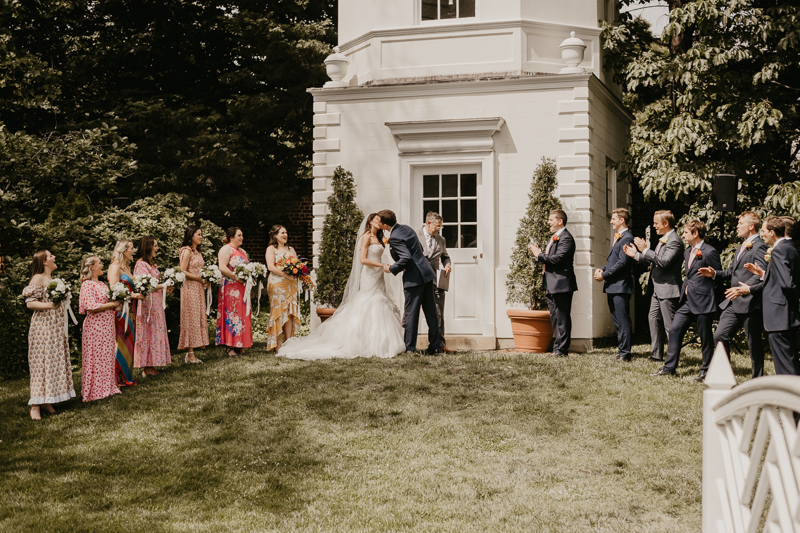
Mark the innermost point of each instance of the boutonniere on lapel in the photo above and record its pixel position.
(698, 253)
(768, 255)
(663, 240)
(386, 240)
(617, 236)
(748, 245)
(555, 238)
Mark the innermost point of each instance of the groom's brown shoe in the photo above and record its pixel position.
(445, 349)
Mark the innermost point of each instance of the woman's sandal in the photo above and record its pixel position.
(230, 352)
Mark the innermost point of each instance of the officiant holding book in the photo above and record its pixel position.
(434, 247)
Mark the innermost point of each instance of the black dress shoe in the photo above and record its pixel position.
(433, 352)
(663, 372)
(623, 359)
(656, 359)
(556, 354)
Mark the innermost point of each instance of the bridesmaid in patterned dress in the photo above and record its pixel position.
(194, 327)
(99, 342)
(233, 323)
(119, 271)
(284, 313)
(152, 344)
(48, 346)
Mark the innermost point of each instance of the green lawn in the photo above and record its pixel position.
(488, 441)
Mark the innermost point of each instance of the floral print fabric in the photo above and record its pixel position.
(233, 323)
(282, 303)
(48, 352)
(194, 328)
(152, 343)
(99, 343)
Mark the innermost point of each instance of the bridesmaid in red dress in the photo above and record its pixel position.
(194, 327)
(233, 323)
(99, 347)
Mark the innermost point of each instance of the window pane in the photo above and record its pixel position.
(469, 236)
(429, 205)
(450, 186)
(429, 10)
(466, 8)
(469, 210)
(450, 210)
(469, 185)
(450, 234)
(448, 9)
(430, 186)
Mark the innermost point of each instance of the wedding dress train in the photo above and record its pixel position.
(366, 325)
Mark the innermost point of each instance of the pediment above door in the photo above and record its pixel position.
(440, 136)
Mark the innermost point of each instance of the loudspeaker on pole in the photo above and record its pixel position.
(726, 188)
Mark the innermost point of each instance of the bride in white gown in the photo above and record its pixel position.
(367, 323)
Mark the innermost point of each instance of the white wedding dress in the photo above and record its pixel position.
(367, 324)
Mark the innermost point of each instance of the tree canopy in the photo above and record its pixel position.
(717, 93)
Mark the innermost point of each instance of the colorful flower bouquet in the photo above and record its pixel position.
(297, 267)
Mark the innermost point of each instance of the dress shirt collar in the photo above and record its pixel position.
(559, 232)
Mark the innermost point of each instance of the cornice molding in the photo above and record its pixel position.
(435, 136)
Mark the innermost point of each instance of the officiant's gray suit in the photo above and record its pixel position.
(436, 252)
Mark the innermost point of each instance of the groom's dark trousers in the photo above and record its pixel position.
(418, 277)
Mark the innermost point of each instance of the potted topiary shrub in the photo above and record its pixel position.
(339, 234)
(525, 283)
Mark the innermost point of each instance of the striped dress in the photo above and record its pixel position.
(126, 339)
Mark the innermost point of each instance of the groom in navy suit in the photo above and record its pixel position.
(418, 277)
(617, 276)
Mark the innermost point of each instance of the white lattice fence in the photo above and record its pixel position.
(751, 452)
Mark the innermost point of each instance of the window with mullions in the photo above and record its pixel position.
(447, 9)
(455, 197)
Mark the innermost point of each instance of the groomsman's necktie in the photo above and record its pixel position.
(547, 249)
(658, 246)
(741, 251)
(692, 257)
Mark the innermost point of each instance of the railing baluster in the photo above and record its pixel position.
(762, 432)
(728, 447)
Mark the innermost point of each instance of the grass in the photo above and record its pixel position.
(474, 441)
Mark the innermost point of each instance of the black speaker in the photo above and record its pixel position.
(726, 187)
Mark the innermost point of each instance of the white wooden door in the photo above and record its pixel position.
(455, 193)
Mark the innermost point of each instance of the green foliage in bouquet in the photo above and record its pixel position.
(525, 283)
(339, 234)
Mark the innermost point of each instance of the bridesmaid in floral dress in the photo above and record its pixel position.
(284, 313)
(119, 271)
(233, 323)
(194, 328)
(152, 344)
(99, 339)
(48, 346)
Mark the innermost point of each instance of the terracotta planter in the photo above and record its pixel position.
(324, 313)
(532, 330)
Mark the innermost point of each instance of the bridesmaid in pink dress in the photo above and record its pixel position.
(152, 343)
(99, 347)
(194, 326)
(233, 323)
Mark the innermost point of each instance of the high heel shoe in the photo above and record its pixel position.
(186, 360)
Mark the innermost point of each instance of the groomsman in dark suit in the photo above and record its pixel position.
(617, 278)
(745, 310)
(665, 278)
(697, 302)
(559, 278)
(780, 295)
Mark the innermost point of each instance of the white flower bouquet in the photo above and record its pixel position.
(119, 292)
(144, 284)
(211, 274)
(58, 290)
(173, 277)
(252, 275)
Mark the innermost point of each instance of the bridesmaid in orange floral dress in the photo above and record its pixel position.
(99, 339)
(284, 313)
(152, 343)
(233, 323)
(194, 327)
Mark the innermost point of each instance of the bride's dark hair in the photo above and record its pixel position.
(367, 227)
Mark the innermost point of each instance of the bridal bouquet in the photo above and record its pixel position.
(213, 276)
(173, 277)
(58, 291)
(252, 275)
(119, 292)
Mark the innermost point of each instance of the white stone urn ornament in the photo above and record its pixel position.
(336, 67)
(572, 51)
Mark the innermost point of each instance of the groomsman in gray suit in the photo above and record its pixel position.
(744, 310)
(665, 277)
(435, 249)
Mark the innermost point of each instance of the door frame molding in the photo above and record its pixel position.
(410, 163)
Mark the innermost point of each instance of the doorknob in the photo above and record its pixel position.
(475, 256)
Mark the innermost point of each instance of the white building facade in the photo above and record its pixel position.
(449, 105)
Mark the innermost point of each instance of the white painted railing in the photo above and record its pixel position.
(751, 452)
